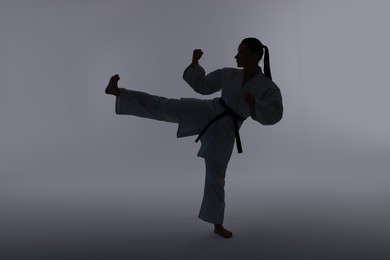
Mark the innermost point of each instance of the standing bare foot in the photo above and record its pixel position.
(112, 87)
(220, 230)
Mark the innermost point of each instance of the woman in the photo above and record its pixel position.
(245, 92)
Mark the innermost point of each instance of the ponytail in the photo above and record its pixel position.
(267, 68)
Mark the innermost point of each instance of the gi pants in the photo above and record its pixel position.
(213, 203)
(170, 110)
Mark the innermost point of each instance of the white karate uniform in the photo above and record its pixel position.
(193, 114)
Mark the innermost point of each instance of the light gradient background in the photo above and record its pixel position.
(79, 182)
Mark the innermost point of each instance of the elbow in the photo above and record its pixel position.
(276, 119)
(272, 119)
(204, 93)
(277, 115)
(271, 122)
(203, 90)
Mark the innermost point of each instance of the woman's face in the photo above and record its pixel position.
(245, 58)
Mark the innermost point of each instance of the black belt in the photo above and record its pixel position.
(228, 112)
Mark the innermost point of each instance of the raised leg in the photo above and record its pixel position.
(137, 103)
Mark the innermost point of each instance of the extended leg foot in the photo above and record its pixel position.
(112, 87)
(220, 230)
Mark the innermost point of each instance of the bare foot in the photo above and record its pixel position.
(112, 87)
(220, 230)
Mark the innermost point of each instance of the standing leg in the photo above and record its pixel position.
(213, 203)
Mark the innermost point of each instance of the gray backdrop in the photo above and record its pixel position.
(78, 181)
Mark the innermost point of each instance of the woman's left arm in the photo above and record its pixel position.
(268, 109)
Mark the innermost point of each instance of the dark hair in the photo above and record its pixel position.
(255, 46)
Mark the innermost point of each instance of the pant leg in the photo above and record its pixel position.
(213, 203)
(141, 104)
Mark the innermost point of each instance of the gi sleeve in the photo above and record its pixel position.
(268, 109)
(196, 77)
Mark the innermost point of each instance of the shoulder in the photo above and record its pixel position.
(229, 72)
(262, 85)
(263, 80)
(226, 73)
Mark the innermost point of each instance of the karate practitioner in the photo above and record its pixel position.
(247, 91)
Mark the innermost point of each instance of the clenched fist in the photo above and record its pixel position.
(197, 54)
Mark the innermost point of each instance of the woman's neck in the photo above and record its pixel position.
(251, 71)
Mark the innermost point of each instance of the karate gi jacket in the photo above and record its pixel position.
(218, 141)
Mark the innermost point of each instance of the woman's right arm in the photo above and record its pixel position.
(196, 77)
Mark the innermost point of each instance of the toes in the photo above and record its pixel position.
(223, 233)
(114, 78)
